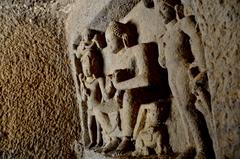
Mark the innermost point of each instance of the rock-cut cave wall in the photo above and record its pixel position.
(38, 114)
(39, 91)
(217, 23)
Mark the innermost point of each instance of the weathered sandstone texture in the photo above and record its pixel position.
(219, 23)
(38, 113)
(120, 79)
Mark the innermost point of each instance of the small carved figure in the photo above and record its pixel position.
(104, 108)
(92, 89)
(150, 131)
(90, 39)
(89, 71)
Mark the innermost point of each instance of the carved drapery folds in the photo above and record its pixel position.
(127, 88)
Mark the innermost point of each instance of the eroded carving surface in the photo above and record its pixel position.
(128, 93)
(180, 53)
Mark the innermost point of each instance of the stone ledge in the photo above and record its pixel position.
(90, 154)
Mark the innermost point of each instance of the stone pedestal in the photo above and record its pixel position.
(90, 154)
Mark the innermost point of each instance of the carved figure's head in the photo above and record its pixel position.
(87, 35)
(165, 9)
(153, 115)
(117, 36)
(188, 9)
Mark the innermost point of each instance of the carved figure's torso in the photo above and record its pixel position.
(174, 47)
(94, 98)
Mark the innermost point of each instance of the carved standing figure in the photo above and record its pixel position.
(88, 64)
(179, 47)
(92, 90)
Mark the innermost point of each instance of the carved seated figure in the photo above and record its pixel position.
(136, 72)
(150, 131)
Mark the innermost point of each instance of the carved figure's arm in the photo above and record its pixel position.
(201, 92)
(80, 49)
(135, 82)
(78, 53)
(98, 41)
(142, 78)
(102, 88)
(95, 40)
(161, 57)
(188, 26)
(83, 89)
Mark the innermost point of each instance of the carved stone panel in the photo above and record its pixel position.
(141, 92)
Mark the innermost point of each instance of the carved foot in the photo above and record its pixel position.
(91, 145)
(78, 147)
(125, 146)
(187, 154)
(143, 152)
(111, 146)
(200, 155)
(136, 153)
(98, 149)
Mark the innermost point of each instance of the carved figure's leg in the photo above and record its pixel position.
(91, 135)
(188, 109)
(140, 121)
(145, 151)
(127, 122)
(103, 119)
(176, 94)
(138, 146)
(99, 134)
(112, 145)
(127, 112)
(159, 145)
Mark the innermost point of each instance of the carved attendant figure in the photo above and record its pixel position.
(90, 40)
(176, 54)
(92, 89)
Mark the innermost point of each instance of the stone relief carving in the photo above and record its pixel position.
(126, 90)
(90, 39)
(91, 90)
(136, 74)
(89, 64)
(133, 81)
(180, 52)
(150, 131)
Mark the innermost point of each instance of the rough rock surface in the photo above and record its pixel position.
(38, 110)
(219, 23)
(38, 114)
